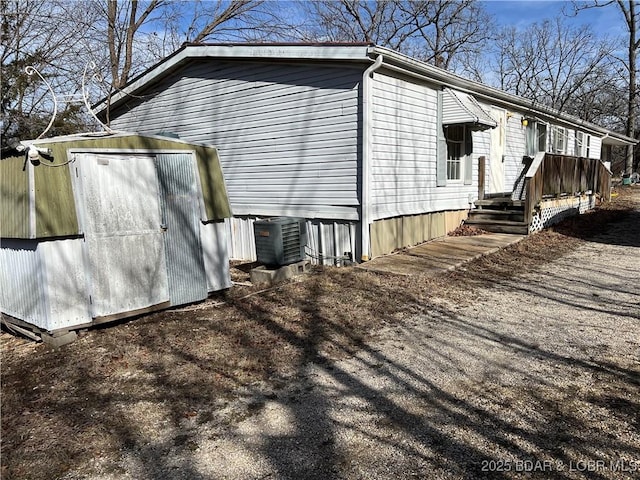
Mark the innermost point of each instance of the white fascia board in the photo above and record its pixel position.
(494, 95)
(354, 53)
(284, 52)
(613, 139)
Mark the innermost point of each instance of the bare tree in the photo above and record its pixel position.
(447, 30)
(436, 31)
(124, 20)
(223, 19)
(355, 21)
(40, 35)
(206, 20)
(630, 10)
(553, 64)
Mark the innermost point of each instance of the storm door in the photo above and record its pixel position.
(496, 157)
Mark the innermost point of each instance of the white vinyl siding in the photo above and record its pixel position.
(403, 163)
(287, 134)
(571, 142)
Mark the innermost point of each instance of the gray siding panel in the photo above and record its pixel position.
(288, 135)
(595, 147)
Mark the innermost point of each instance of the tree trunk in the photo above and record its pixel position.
(633, 51)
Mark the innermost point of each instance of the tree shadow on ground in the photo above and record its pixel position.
(370, 377)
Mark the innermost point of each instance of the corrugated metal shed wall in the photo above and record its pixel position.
(44, 283)
(179, 205)
(54, 203)
(22, 285)
(215, 252)
(65, 283)
(124, 243)
(14, 198)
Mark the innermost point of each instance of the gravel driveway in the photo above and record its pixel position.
(532, 377)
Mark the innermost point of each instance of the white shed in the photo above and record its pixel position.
(98, 228)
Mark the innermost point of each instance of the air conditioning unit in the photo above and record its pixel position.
(280, 240)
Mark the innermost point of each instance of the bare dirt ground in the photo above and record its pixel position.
(524, 364)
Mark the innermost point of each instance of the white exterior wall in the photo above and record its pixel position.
(44, 282)
(66, 282)
(22, 287)
(403, 163)
(215, 254)
(288, 135)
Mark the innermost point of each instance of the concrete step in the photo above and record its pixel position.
(500, 226)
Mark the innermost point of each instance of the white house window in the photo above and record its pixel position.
(559, 140)
(583, 144)
(455, 135)
(580, 144)
(542, 136)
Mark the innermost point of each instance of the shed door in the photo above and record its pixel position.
(181, 222)
(498, 141)
(120, 209)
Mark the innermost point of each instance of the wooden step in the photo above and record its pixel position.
(500, 226)
(489, 215)
(499, 203)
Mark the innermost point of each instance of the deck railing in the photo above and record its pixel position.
(553, 175)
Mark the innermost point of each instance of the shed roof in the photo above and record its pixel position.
(38, 202)
(356, 53)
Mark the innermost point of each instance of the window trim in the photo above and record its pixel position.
(560, 136)
(461, 160)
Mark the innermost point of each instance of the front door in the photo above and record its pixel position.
(497, 152)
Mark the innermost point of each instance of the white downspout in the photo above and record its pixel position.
(365, 220)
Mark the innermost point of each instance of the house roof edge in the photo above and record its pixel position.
(487, 93)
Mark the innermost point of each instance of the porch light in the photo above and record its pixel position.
(524, 121)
